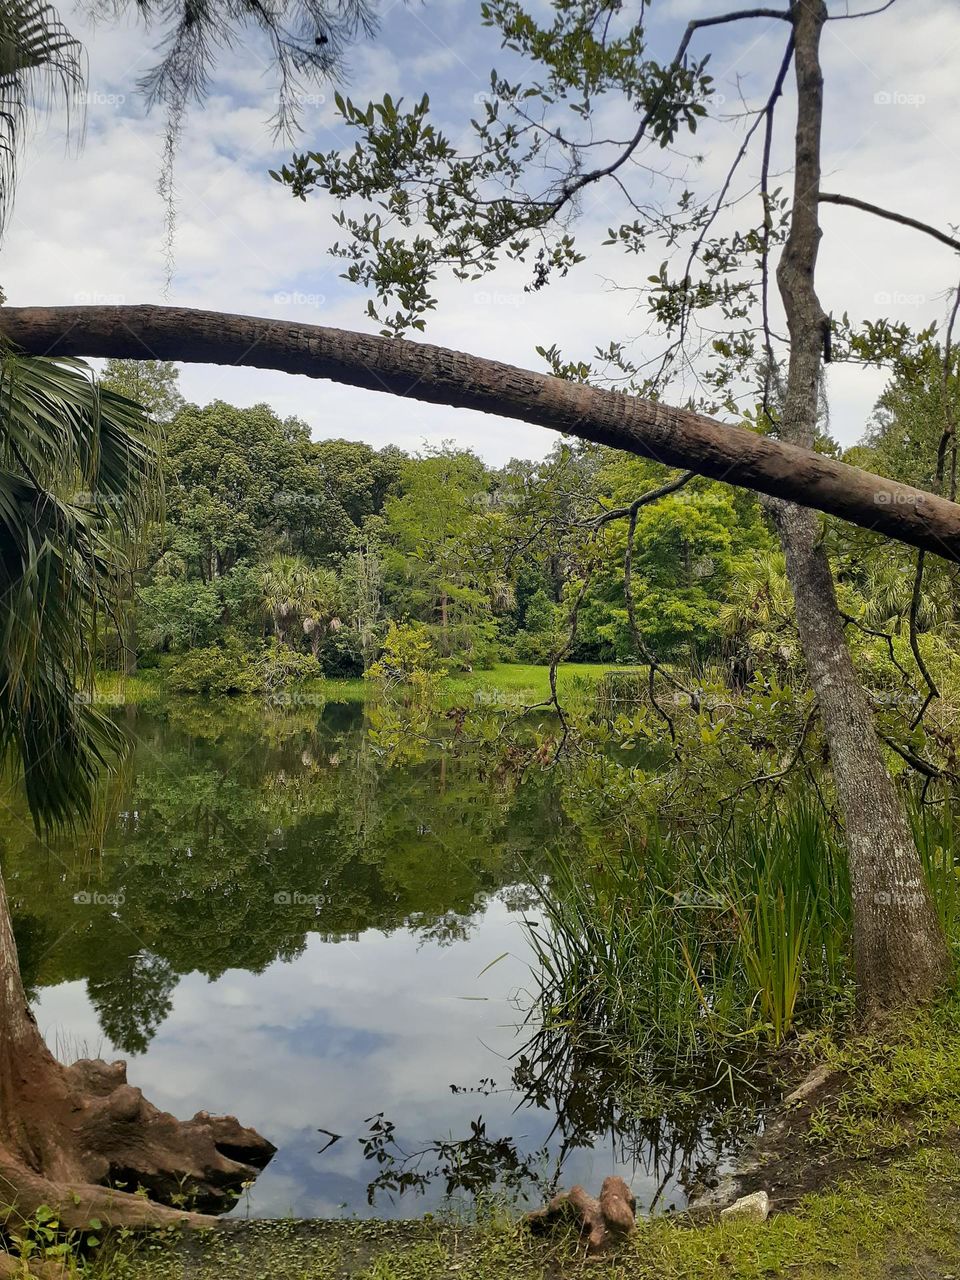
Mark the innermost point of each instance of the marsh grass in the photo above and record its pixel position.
(935, 831)
(688, 946)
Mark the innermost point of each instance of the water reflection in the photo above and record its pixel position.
(280, 927)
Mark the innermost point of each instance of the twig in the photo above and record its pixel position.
(916, 762)
(765, 239)
(697, 24)
(932, 690)
(827, 198)
(948, 437)
(652, 495)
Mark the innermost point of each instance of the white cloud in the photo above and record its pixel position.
(90, 225)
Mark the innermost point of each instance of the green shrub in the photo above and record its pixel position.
(214, 671)
(407, 651)
(279, 666)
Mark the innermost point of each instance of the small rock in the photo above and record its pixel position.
(752, 1206)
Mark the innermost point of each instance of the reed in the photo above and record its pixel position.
(694, 945)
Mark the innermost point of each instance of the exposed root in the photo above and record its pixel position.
(603, 1222)
(89, 1145)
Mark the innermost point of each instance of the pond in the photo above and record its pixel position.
(274, 924)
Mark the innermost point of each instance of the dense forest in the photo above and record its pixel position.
(277, 559)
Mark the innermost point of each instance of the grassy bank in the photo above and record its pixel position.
(510, 683)
(895, 1222)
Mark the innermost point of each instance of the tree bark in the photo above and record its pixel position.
(67, 1131)
(676, 437)
(900, 953)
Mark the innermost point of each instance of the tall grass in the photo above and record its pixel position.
(936, 832)
(689, 946)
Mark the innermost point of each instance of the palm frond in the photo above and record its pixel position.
(77, 479)
(40, 62)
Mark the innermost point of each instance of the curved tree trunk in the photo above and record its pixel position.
(900, 953)
(676, 437)
(66, 1132)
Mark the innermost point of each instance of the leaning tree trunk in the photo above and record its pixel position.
(900, 953)
(68, 1132)
(437, 375)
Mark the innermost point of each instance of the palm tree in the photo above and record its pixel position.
(77, 475)
(300, 599)
(285, 586)
(39, 59)
(757, 619)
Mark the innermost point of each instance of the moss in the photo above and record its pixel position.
(900, 1088)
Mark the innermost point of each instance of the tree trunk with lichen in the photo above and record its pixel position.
(70, 1135)
(900, 953)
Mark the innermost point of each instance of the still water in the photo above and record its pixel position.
(278, 926)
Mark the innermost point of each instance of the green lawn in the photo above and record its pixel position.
(511, 683)
(529, 683)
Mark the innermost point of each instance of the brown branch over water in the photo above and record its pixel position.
(438, 375)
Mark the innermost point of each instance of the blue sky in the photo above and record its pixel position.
(88, 224)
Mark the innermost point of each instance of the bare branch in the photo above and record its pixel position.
(622, 513)
(867, 13)
(830, 198)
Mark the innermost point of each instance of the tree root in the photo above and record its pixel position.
(83, 1141)
(603, 1222)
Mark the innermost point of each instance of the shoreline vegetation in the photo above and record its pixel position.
(504, 683)
(862, 1175)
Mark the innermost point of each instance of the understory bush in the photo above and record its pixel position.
(237, 669)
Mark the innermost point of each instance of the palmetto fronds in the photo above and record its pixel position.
(298, 597)
(76, 485)
(39, 61)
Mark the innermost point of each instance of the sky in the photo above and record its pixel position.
(88, 222)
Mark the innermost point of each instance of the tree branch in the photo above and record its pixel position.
(437, 375)
(621, 513)
(694, 26)
(830, 198)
